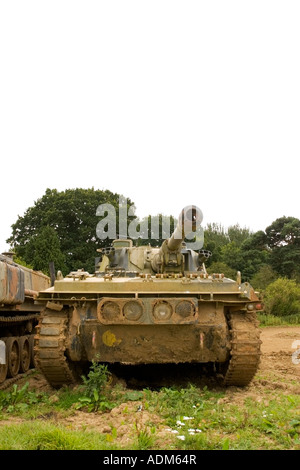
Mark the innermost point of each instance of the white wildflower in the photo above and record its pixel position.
(179, 423)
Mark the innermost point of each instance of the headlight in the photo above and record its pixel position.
(110, 310)
(185, 308)
(133, 310)
(162, 310)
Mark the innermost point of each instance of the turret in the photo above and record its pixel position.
(122, 258)
(169, 257)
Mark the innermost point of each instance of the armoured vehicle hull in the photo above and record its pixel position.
(146, 305)
(18, 316)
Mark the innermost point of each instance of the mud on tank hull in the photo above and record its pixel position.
(185, 321)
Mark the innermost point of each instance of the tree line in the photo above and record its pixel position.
(261, 256)
(61, 227)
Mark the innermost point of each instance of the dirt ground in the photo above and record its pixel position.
(278, 371)
(280, 360)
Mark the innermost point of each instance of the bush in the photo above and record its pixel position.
(264, 276)
(220, 267)
(282, 297)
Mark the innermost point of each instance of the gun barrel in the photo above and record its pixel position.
(189, 219)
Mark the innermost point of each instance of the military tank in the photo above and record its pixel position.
(146, 305)
(18, 316)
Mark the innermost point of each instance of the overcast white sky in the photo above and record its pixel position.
(166, 102)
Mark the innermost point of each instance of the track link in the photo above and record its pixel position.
(50, 346)
(13, 380)
(245, 349)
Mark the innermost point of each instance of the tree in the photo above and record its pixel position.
(283, 237)
(232, 256)
(263, 277)
(215, 238)
(254, 254)
(44, 248)
(237, 234)
(246, 254)
(72, 215)
(256, 241)
(283, 231)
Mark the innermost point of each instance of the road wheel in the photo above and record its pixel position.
(24, 354)
(13, 356)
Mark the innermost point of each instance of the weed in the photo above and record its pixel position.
(19, 399)
(144, 437)
(96, 379)
(94, 384)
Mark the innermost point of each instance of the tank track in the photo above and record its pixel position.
(50, 346)
(245, 349)
(8, 382)
(19, 361)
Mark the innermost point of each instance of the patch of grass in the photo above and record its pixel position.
(144, 437)
(66, 398)
(272, 320)
(173, 403)
(212, 424)
(46, 436)
(198, 418)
